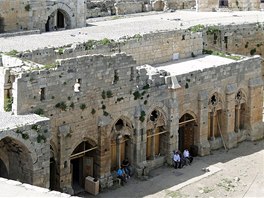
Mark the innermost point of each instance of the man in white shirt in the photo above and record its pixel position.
(186, 155)
(177, 160)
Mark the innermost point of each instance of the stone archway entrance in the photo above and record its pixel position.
(17, 164)
(187, 130)
(58, 20)
(83, 161)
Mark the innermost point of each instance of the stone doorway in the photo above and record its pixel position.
(187, 130)
(54, 179)
(60, 20)
(83, 161)
(223, 3)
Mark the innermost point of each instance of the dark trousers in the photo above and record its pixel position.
(123, 179)
(177, 164)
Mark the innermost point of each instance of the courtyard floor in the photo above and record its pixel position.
(115, 27)
(236, 173)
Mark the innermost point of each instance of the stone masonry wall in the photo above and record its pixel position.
(242, 5)
(147, 49)
(199, 86)
(246, 40)
(20, 15)
(27, 150)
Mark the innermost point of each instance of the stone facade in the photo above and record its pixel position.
(105, 102)
(214, 5)
(21, 15)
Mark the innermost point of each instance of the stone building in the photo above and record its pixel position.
(43, 15)
(141, 98)
(240, 5)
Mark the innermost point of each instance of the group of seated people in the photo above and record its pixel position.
(179, 159)
(124, 171)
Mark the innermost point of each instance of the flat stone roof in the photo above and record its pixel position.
(11, 188)
(193, 64)
(140, 24)
(9, 121)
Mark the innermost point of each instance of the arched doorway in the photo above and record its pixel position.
(187, 130)
(83, 160)
(60, 20)
(57, 20)
(18, 164)
(157, 136)
(3, 169)
(121, 144)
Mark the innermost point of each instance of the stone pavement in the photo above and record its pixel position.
(191, 180)
(115, 29)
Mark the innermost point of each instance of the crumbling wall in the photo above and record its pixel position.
(25, 141)
(244, 39)
(147, 49)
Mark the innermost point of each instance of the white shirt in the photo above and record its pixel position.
(176, 157)
(186, 153)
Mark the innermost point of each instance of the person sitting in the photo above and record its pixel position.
(186, 155)
(177, 160)
(121, 175)
(126, 166)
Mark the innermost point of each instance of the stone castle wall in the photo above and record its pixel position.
(237, 5)
(238, 39)
(147, 49)
(21, 15)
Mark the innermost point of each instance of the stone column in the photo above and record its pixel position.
(230, 137)
(64, 162)
(203, 144)
(172, 125)
(255, 107)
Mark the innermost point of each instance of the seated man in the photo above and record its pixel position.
(121, 175)
(186, 155)
(177, 160)
(126, 166)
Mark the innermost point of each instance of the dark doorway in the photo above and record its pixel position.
(82, 165)
(223, 3)
(186, 131)
(52, 174)
(60, 20)
(3, 170)
(47, 25)
(2, 27)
